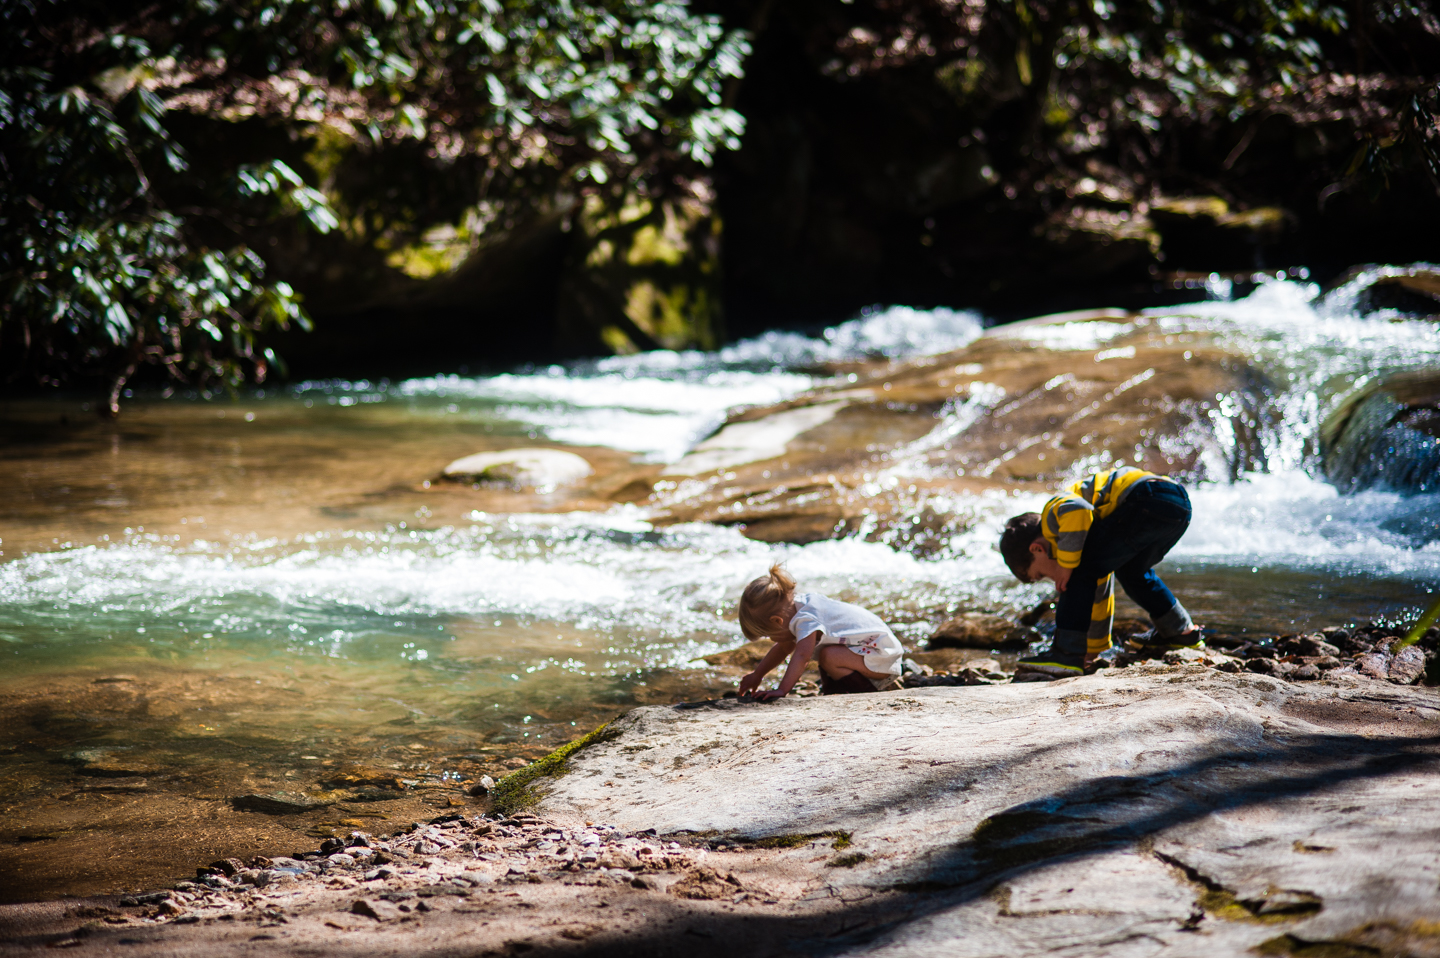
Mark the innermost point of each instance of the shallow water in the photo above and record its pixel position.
(214, 598)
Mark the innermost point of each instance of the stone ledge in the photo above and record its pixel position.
(1175, 798)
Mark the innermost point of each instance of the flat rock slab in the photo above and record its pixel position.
(1152, 811)
(1173, 810)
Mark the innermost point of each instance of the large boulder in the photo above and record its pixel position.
(1386, 434)
(881, 450)
(1412, 289)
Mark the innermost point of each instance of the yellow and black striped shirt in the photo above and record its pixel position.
(1065, 522)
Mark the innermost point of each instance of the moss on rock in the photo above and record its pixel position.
(520, 789)
(841, 840)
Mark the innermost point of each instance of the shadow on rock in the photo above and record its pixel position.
(1092, 817)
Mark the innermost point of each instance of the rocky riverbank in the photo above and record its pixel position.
(980, 649)
(1170, 809)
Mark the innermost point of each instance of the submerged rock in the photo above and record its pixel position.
(754, 440)
(353, 776)
(746, 656)
(538, 467)
(116, 762)
(283, 803)
(951, 659)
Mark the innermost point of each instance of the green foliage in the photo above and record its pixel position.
(146, 151)
(520, 789)
(1054, 87)
(96, 273)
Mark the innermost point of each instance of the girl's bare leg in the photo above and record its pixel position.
(837, 662)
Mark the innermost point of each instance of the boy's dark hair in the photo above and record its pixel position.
(1015, 541)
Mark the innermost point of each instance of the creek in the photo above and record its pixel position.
(214, 598)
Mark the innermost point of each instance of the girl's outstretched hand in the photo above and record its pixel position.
(769, 696)
(749, 682)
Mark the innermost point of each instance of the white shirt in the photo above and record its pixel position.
(841, 623)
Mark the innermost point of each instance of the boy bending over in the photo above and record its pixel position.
(1116, 524)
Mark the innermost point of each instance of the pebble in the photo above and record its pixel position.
(1316, 645)
(1407, 667)
(378, 909)
(1374, 664)
(1263, 666)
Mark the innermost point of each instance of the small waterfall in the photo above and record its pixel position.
(1351, 385)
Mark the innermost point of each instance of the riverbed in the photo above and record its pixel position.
(236, 595)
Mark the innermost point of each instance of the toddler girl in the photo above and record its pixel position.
(855, 650)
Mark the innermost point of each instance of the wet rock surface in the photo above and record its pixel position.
(879, 450)
(1387, 434)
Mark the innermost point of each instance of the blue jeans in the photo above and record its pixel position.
(1129, 543)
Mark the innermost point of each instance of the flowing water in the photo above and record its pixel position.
(209, 599)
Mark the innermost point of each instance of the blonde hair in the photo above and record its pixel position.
(762, 599)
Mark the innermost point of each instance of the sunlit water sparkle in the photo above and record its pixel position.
(502, 630)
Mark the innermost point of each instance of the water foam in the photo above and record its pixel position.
(1316, 350)
(1293, 520)
(658, 417)
(612, 574)
(663, 596)
(661, 403)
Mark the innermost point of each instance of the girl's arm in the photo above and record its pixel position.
(800, 658)
(774, 657)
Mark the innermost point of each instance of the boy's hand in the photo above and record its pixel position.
(749, 682)
(1061, 578)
